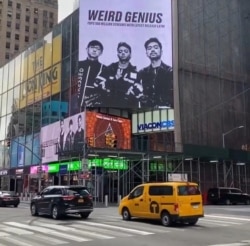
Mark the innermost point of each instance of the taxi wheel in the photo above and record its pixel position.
(192, 222)
(166, 219)
(125, 214)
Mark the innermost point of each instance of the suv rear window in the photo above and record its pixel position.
(188, 190)
(160, 190)
(78, 191)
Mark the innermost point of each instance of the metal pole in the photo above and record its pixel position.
(223, 140)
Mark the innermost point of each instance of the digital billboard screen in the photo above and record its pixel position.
(125, 54)
(104, 131)
(62, 138)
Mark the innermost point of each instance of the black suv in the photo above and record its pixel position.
(62, 200)
(226, 195)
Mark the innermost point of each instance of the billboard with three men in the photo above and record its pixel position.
(125, 60)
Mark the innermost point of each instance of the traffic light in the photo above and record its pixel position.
(113, 141)
(108, 139)
(91, 142)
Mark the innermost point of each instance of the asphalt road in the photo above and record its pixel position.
(221, 226)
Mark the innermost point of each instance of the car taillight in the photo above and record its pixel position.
(68, 198)
(176, 207)
(90, 197)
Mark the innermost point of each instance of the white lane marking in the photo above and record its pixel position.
(17, 231)
(229, 244)
(212, 223)
(101, 230)
(222, 221)
(117, 228)
(74, 230)
(48, 231)
(226, 217)
(19, 242)
(52, 241)
(3, 234)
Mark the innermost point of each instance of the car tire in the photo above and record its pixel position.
(33, 209)
(84, 215)
(166, 219)
(228, 202)
(16, 205)
(193, 222)
(126, 214)
(55, 213)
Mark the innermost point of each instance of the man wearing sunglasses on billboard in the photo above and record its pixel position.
(91, 77)
(122, 77)
(157, 78)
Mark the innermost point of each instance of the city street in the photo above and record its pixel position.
(222, 225)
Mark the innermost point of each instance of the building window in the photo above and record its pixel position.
(7, 56)
(16, 36)
(45, 13)
(27, 29)
(18, 16)
(35, 10)
(9, 14)
(17, 26)
(51, 15)
(27, 10)
(45, 23)
(7, 45)
(51, 24)
(26, 39)
(8, 34)
(10, 3)
(27, 19)
(16, 47)
(18, 5)
(8, 23)
(35, 20)
(35, 31)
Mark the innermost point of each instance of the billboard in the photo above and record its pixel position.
(153, 121)
(125, 61)
(62, 138)
(41, 81)
(104, 131)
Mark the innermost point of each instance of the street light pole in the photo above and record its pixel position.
(228, 132)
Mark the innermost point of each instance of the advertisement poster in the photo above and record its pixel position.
(105, 131)
(62, 138)
(125, 60)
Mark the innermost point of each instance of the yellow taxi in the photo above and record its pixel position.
(169, 202)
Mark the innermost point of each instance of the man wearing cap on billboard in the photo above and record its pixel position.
(157, 78)
(122, 77)
(91, 77)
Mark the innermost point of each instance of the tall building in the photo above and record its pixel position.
(22, 22)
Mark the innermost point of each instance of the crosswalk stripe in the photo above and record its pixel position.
(17, 231)
(48, 231)
(74, 230)
(222, 221)
(102, 230)
(51, 240)
(117, 228)
(227, 217)
(3, 234)
(19, 241)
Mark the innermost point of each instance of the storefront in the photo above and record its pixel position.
(36, 173)
(19, 179)
(4, 179)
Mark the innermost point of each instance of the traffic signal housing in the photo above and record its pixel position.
(91, 142)
(113, 141)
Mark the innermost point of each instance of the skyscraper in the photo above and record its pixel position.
(22, 22)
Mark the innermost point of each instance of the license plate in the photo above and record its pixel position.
(195, 206)
(80, 200)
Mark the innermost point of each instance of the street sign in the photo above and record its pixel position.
(85, 165)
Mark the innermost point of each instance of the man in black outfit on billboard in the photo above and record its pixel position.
(92, 77)
(79, 135)
(156, 79)
(122, 78)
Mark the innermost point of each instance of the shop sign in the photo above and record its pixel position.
(63, 169)
(3, 172)
(53, 168)
(19, 171)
